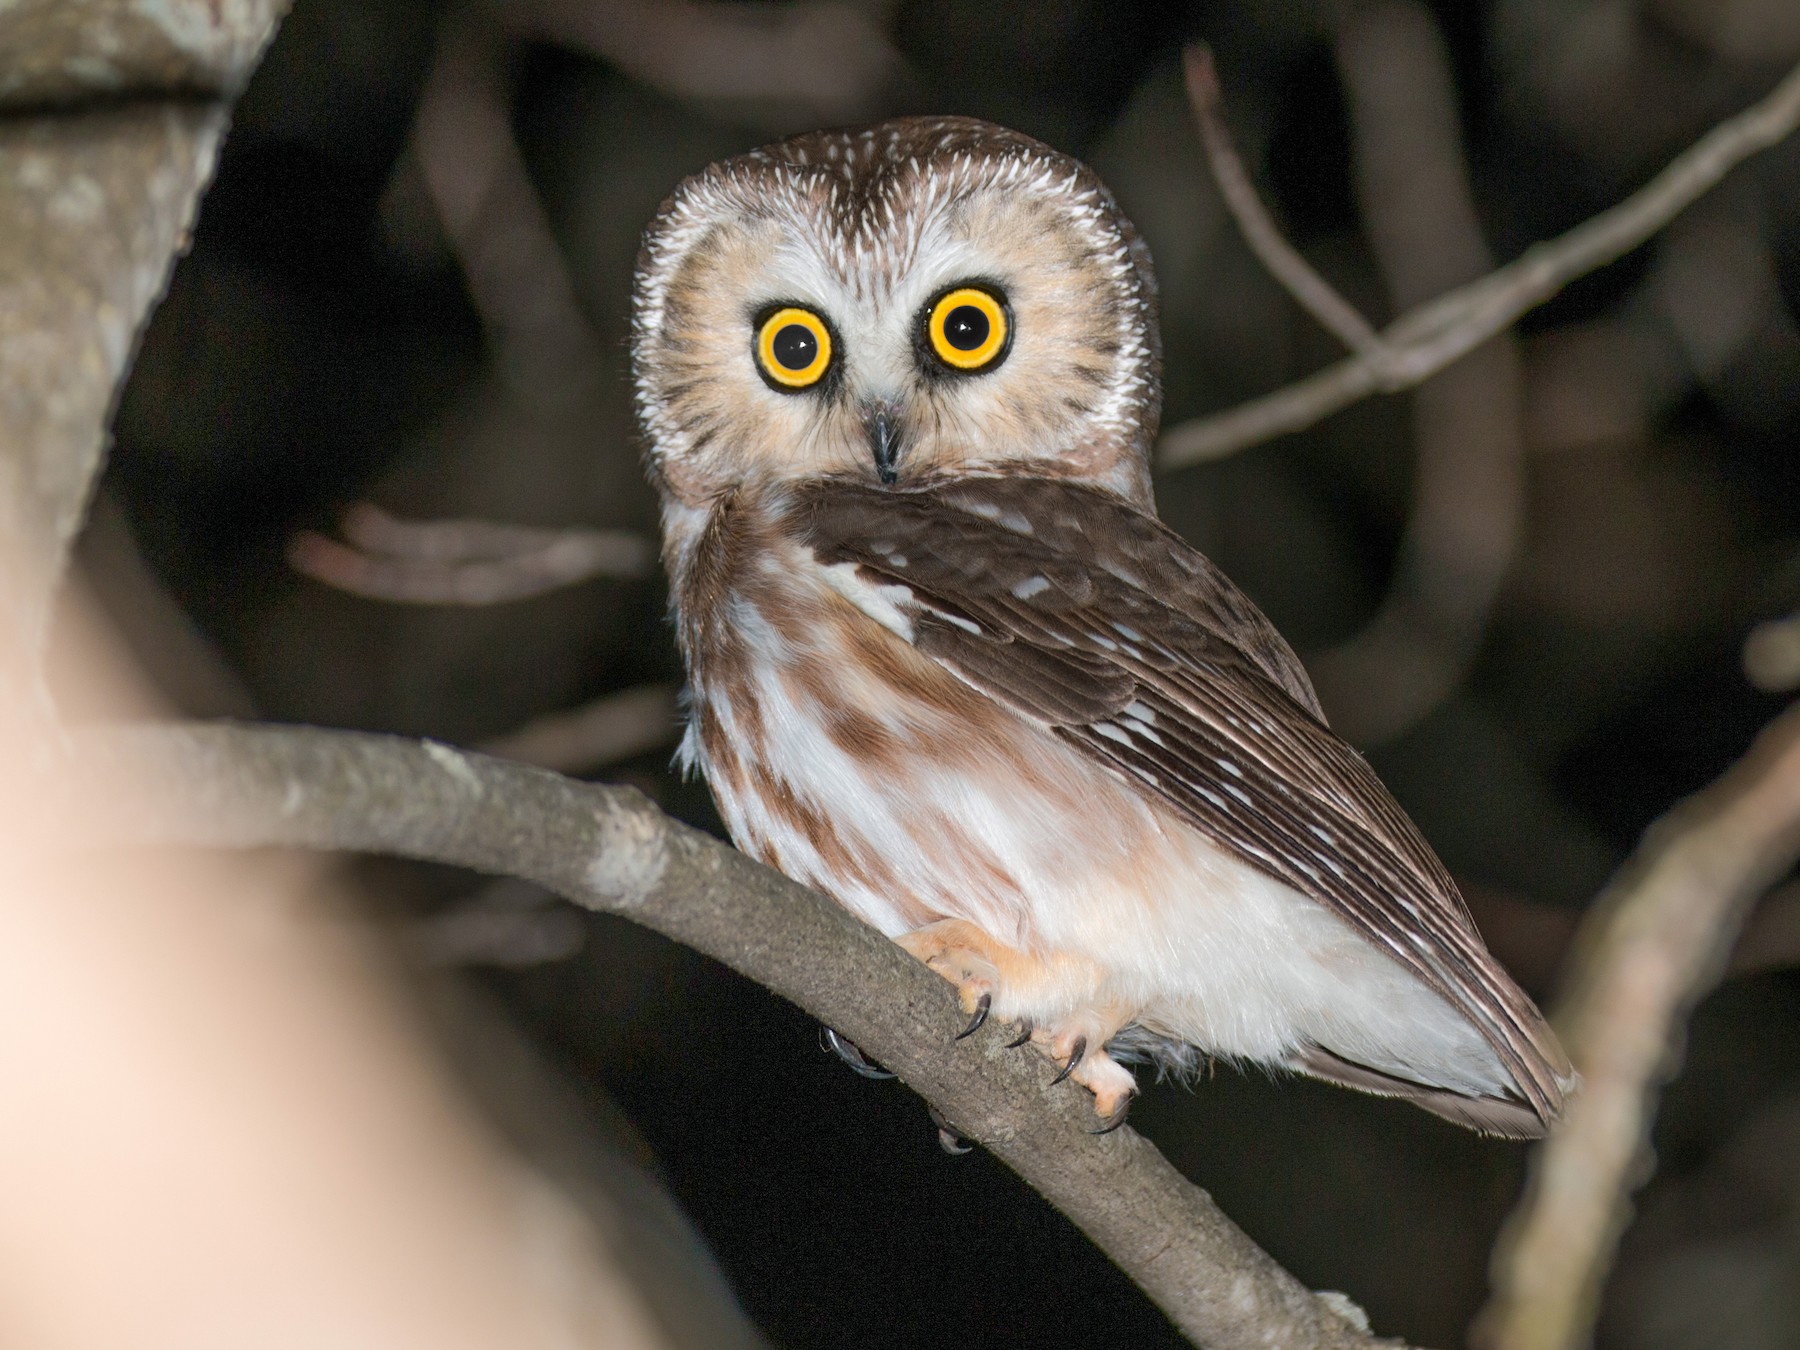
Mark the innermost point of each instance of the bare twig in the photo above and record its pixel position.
(462, 562)
(1772, 654)
(609, 849)
(1426, 339)
(1657, 939)
(580, 740)
(1419, 214)
(542, 342)
(1317, 296)
(508, 923)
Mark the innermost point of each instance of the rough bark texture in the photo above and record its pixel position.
(94, 208)
(66, 51)
(610, 849)
(97, 196)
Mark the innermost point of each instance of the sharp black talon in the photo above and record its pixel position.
(1025, 1029)
(855, 1058)
(1074, 1059)
(948, 1139)
(981, 1014)
(1117, 1118)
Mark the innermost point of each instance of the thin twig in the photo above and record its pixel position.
(1315, 295)
(462, 562)
(1657, 939)
(1426, 339)
(610, 849)
(542, 342)
(581, 740)
(1468, 497)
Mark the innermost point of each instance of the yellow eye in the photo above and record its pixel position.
(968, 328)
(793, 348)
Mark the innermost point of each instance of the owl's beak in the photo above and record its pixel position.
(882, 423)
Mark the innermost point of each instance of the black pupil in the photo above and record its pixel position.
(965, 328)
(795, 347)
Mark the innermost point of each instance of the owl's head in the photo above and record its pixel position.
(929, 296)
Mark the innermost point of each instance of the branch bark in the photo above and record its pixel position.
(610, 849)
(1429, 337)
(95, 205)
(1656, 940)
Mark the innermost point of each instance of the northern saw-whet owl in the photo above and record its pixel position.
(899, 388)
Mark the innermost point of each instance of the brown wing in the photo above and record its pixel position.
(1082, 613)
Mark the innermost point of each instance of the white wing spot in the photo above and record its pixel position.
(1229, 767)
(1024, 590)
(966, 625)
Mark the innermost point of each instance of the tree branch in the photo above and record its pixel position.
(1426, 339)
(610, 728)
(1317, 296)
(610, 849)
(462, 562)
(97, 198)
(1656, 940)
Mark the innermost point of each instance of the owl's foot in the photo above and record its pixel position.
(1079, 1046)
(847, 1050)
(965, 956)
(991, 977)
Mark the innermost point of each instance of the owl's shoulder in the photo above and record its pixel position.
(1043, 543)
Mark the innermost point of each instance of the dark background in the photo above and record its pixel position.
(323, 344)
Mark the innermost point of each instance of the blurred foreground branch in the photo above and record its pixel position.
(1429, 337)
(610, 849)
(1656, 941)
(1772, 654)
(97, 194)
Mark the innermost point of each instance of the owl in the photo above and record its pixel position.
(898, 389)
